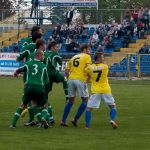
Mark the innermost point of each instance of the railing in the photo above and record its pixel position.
(89, 15)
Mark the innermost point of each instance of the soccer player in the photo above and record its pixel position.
(24, 56)
(34, 90)
(75, 71)
(40, 44)
(100, 89)
(28, 40)
(29, 48)
(53, 61)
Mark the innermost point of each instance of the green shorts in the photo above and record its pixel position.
(34, 93)
(55, 78)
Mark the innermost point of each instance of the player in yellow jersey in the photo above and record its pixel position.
(75, 72)
(100, 89)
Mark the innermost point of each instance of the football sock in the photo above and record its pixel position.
(44, 114)
(31, 113)
(16, 116)
(88, 118)
(65, 86)
(66, 111)
(80, 111)
(113, 112)
(50, 112)
(37, 113)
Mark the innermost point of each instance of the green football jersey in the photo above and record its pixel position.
(36, 73)
(31, 56)
(28, 49)
(27, 41)
(52, 60)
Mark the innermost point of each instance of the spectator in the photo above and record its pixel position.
(135, 15)
(126, 40)
(100, 49)
(110, 43)
(127, 16)
(69, 16)
(94, 40)
(146, 18)
(145, 49)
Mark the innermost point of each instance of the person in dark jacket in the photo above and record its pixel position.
(69, 16)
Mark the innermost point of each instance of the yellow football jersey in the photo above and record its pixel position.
(99, 79)
(76, 66)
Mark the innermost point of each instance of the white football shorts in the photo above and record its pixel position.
(95, 100)
(75, 86)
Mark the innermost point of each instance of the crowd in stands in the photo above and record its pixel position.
(104, 37)
(135, 25)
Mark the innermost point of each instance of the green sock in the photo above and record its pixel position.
(50, 115)
(16, 116)
(65, 86)
(37, 113)
(31, 113)
(44, 114)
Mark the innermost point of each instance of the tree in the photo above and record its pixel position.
(6, 9)
(117, 14)
(9, 7)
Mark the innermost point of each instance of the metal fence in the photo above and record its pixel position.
(89, 16)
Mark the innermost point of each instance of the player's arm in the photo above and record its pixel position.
(45, 77)
(59, 60)
(22, 55)
(68, 68)
(20, 70)
(88, 61)
(46, 80)
(56, 60)
(87, 70)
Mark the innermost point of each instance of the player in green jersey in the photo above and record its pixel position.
(34, 90)
(29, 48)
(28, 40)
(40, 44)
(24, 56)
(53, 61)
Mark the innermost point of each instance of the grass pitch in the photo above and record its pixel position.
(133, 104)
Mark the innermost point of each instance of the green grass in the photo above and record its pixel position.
(133, 103)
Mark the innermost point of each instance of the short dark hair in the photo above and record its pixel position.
(85, 46)
(35, 29)
(52, 44)
(40, 42)
(97, 55)
(36, 35)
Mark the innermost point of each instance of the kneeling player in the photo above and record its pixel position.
(100, 89)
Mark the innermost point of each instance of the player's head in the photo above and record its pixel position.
(86, 49)
(40, 44)
(53, 46)
(36, 36)
(99, 57)
(39, 54)
(36, 29)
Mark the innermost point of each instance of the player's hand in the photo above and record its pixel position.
(16, 74)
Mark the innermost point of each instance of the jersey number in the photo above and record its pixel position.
(76, 62)
(98, 75)
(35, 69)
